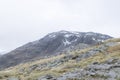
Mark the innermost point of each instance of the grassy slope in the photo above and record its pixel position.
(66, 66)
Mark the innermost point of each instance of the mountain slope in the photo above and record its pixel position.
(100, 62)
(53, 43)
(2, 53)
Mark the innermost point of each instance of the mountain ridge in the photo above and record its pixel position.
(51, 44)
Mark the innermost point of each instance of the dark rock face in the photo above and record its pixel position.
(51, 44)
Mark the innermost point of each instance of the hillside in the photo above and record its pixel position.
(100, 62)
(52, 44)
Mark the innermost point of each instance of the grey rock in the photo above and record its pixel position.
(13, 78)
(102, 71)
(47, 77)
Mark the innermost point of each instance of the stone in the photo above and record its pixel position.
(13, 78)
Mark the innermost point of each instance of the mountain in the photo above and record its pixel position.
(98, 62)
(2, 53)
(52, 44)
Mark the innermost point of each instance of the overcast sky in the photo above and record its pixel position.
(22, 21)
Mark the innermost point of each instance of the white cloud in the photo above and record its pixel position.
(22, 21)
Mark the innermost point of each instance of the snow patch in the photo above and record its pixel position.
(68, 35)
(52, 36)
(66, 42)
(74, 40)
(93, 39)
(99, 40)
(75, 32)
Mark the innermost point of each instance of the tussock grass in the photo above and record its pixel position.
(114, 48)
(113, 40)
(67, 66)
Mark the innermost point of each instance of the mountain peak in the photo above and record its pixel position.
(63, 31)
(76, 35)
(52, 44)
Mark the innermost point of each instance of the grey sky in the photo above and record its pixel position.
(22, 21)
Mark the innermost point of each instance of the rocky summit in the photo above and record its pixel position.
(52, 44)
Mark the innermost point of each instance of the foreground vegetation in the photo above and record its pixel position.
(63, 63)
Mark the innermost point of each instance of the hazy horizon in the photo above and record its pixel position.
(23, 21)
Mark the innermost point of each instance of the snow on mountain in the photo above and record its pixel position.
(66, 42)
(68, 35)
(52, 36)
(93, 38)
(52, 44)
